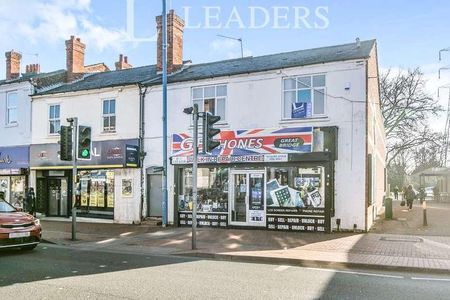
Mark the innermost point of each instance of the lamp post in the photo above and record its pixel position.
(164, 116)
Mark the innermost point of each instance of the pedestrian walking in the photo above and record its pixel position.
(29, 205)
(396, 192)
(410, 195)
(404, 189)
(422, 195)
(436, 193)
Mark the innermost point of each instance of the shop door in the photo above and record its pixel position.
(155, 195)
(247, 198)
(57, 197)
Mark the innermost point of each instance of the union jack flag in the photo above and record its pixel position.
(251, 142)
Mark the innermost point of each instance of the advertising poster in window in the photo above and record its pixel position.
(110, 189)
(93, 196)
(4, 187)
(296, 199)
(84, 192)
(100, 192)
(127, 187)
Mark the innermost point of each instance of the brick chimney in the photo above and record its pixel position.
(33, 69)
(123, 64)
(175, 28)
(12, 64)
(74, 58)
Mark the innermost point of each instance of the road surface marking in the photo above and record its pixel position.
(281, 268)
(430, 279)
(106, 241)
(357, 273)
(126, 233)
(102, 266)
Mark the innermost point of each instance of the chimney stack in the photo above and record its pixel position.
(123, 64)
(175, 29)
(74, 58)
(12, 64)
(33, 69)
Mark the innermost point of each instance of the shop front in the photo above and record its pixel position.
(280, 179)
(14, 164)
(98, 178)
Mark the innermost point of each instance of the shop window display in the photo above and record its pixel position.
(97, 189)
(17, 191)
(295, 187)
(212, 186)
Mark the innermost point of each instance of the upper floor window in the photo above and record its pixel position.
(54, 119)
(303, 97)
(109, 115)
(11, 108)
(211, 99)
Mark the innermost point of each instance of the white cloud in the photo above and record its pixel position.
(53, 21)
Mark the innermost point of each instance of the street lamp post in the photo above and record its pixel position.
(164, 116)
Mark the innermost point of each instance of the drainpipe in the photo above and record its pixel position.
(142, 154)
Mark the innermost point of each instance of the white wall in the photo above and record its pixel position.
(87, 106)
(255, 100)
(126, 209)
(20, 133)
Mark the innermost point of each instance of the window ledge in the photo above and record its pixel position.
(108, 133)
(305, 120)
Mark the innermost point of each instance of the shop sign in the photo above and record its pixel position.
(113, 152)
(10, 171)
(247, 146)
(132, 156)
(14, 157)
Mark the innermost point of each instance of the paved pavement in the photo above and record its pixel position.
(344, 250)
(66, 272)
(411, 222)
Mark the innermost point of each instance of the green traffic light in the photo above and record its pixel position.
(85, 153)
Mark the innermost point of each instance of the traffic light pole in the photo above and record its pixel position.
(74, 178)
(194, 178)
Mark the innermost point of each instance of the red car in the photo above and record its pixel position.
(18, 229)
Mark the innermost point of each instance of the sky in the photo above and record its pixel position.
(409, 33)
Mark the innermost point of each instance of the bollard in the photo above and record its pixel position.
(388, 209)
(424, 206)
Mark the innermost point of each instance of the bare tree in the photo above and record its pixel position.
(406, 108)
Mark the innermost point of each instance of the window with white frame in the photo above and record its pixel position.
(109, 115)
(304, 97)
(54, 119)
(211, 99)
(11, 108)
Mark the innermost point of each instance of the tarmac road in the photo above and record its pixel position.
(59, 272)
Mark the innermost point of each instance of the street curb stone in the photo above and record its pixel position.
(310, 263)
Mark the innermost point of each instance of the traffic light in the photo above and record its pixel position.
(65, 143)
(209, 132)
(84, 142)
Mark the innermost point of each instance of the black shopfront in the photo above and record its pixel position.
(95, 177)
(283, 191)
